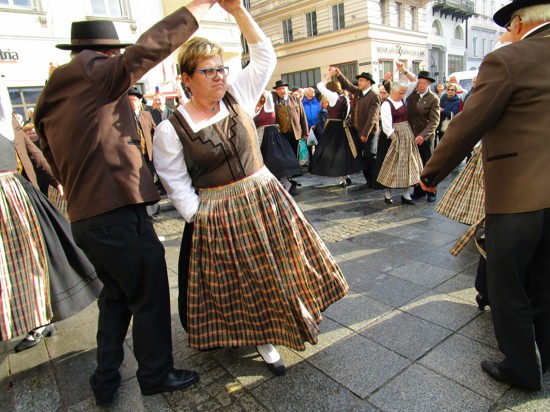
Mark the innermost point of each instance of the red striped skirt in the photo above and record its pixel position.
(24, 277)
(259, 272)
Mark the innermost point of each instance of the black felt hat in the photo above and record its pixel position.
(93, 34)
(367, 76)
(280, 83)
(134, 91)
(425, 75)
(502, 16)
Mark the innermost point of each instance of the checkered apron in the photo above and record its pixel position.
(24, 279)
(402, 164)
(464, 200)
(259, 272)
(59, 203)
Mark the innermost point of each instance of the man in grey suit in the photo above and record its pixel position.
(90, 139)
(507, 111)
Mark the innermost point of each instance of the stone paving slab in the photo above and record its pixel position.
(408, 337)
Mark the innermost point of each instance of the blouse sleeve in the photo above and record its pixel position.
(172, 170)
(250, 83)
(387, 119)
(330, 95)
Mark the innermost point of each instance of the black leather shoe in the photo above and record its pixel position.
(389, 201)
(342, 184)
(494, 372)
(407, 201)
(431, 198)
(37, 337)
(177, 379)
(482, 302)
(348, 181)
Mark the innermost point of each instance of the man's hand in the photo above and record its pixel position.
(364, 139)
(230, 5)
(333, 71)
(419, 140)
(427, 188)
(60, 191)
(399, 65)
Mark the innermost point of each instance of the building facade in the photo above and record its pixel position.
(30, 30)
(357, 36)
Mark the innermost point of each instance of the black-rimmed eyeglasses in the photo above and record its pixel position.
(212, 73)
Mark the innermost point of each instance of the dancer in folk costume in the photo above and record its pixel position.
(252, 269)
(402, 163)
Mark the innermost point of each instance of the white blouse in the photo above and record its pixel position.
(168, 156)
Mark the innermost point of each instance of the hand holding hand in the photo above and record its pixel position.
(425, 188)
(230, 6)
(419, 140)
(399, 65)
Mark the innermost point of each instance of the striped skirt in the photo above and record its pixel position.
(464, 200)
(24, 276)
(402, 164)
(259, 273)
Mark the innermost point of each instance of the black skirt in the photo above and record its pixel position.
(381, 150)
(278, 155)
(333, 155)
(73, 280)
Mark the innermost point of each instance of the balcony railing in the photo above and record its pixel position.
(458, 9)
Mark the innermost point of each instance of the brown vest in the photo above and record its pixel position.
(220, 153)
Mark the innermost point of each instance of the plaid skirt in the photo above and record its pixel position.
(259, 273)
(402, 164)
(464, 200)
(24, 276)
(59, 203)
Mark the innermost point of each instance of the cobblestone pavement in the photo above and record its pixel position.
(408, 336)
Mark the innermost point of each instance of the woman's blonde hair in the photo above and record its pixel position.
(195, 50)
(334, 86)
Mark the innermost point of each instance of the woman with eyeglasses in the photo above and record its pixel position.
(252, 270)
(449, 106)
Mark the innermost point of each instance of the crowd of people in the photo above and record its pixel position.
(252, 270)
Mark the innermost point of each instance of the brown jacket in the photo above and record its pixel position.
(148, 127)
(368, 111)
(508, 109)
(86, 125)
(33, 161)
(297, 115)
(423, 115)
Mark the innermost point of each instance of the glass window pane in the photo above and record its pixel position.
(22, 3)
(31, 95)
(98, 7)
(15, 96)
(115, 10)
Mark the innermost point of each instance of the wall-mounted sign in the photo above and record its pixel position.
(365, 64)
(401, 51)
(8, 56)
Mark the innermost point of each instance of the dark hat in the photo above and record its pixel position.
(295, 88)
(280, 83)
(367, 76)
(502, 16)
(134, 91)
(425, 75)
(94, 34)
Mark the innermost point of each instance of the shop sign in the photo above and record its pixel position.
(8, 56)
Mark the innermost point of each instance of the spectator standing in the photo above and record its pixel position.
(160, 111)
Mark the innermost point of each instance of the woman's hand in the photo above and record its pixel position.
(392, 136)
(230, 6)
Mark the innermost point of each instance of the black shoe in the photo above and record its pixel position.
(104, 390)
(177, 379)
(38, 337)
(482, 302)
(389, 201)
(294, 182)
(342, 184)
(407, 201)
(494, 372)
(348, 181)
(431, 198)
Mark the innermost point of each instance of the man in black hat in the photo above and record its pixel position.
(365, 117)
(89, 137)
(291, 117)
(423, 116)
(506, 110)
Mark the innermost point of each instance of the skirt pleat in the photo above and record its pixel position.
(259, 272)
(24, 277)
(464, 200)
(402, 164)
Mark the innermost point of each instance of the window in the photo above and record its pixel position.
(399, 14)
(385, 11)
(474, 45)
(414, 18)
(23, 98)
(456, 63)
(490, 45)
(246, 4)
(24, 4)
(416, 67)
(305, 78)
(349, 70)
(385, 67)
(483, 47)
(338, 18)
(311, 24)
(458, 33)
(244, 45)
(107, 8)
(436, 28)
(287, 31)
